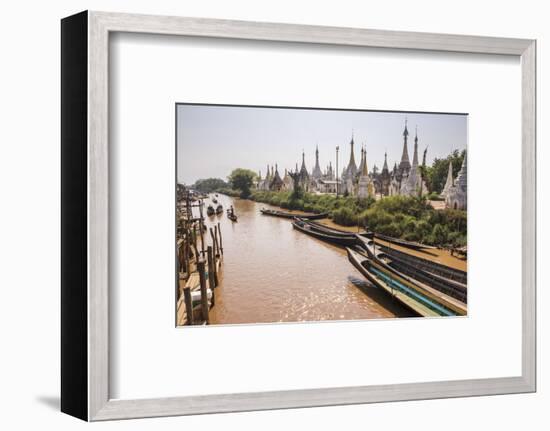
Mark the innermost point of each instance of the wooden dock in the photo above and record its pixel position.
(199, 264)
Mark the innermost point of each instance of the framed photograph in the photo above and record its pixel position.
(334, 215)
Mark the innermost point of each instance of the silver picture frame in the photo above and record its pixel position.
(85, 215)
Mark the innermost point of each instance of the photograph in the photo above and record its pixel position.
(305, 215)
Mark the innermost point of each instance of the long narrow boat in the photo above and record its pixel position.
(329, 230)
(426, 265)
(404, 243)
(447, 286)
(345, 241)
(219, 209)
(210, 210)
(424, 301)
(231, 215)
(283, 214)
(318, 227)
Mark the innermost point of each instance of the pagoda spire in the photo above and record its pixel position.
(317, 173)
(303, 169)
(385, 167)
(415, 154)
(405, 164)
(449, 183)
(365, 170)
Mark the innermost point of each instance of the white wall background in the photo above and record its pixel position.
(29, 220)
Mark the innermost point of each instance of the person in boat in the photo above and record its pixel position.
(232, 211)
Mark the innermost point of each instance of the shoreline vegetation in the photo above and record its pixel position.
(408, 218)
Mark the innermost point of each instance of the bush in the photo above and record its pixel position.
(409, 218)
(344, 216)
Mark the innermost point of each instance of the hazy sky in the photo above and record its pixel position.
(214, 140)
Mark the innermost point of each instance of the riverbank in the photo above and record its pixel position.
(408, 218)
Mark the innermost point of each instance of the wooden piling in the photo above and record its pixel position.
(195, 241)
(188, 305)
(204, 291)
(217, 243)
(214, 242)
(212, 265)
(220, 235)
(211, 278)
(201, 226)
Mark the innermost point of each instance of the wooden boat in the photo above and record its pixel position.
(231, 215)
(214, 200)
(219, 209)
(303, 226)
(291, 216)
(423, 300)
(447, 286)
(426, 265)
(328, 230)
(210, 210)
(404, 243)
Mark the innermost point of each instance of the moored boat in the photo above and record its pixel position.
(284, 214)
(403, 243)
(328, 230)
(210, 210)
(219, 209)
(426, 265)
(343, 240)
(445, 285)
(422, 300)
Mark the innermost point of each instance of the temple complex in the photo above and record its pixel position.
(405, 179)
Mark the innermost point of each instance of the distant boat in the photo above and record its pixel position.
(231, 214)
(219, 209)
(214, 200)
(291, 215)
(210, 210)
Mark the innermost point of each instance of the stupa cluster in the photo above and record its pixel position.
(405, 179)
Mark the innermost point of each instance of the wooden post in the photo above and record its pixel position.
(217, 243)
(220, 234)
(188, 305)
(214, 242)
(212, 269)
(195, 242)
(204, 291)
(212, 282)
(201, 227)
(211, 278)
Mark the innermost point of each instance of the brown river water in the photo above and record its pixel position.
(273, 273)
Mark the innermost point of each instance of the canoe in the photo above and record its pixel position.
(404, 243)
(291, 216)
(325, 229)
(422, 300)
(426, 265)
(219, 209)
(444, 285)
(345, 241)
(231, 215)
(210, 210)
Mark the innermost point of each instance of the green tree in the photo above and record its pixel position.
(208, 185)
(437, 174)
(242, 179)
